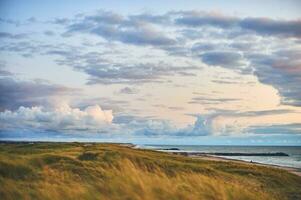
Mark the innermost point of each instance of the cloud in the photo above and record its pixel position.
(265, 112)
(3, 71)
(49, 33)
(272, 27)
(29, 93)
(209, 124)
(103, 67)
(9, 21)
(206, 100)
(122, 73)
(115, 27)
(261, 26)
(224, 59)
(278, 129)
(61, 21)
(6, 35)
(128, 90)
(198, 18)
(231, 49)
(202, 127)
(175, 108)
(104, 102)
(281, 69)
(62, 119)
(252, 113)
(151, 18)
(151, 127)
(24, 48)
(206, 46)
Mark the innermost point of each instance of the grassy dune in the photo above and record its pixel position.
(107, 171)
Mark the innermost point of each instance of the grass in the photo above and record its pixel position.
(112, 172)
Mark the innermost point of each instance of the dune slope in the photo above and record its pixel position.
(112, 171)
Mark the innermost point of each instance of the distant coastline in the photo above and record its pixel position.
(218, 156)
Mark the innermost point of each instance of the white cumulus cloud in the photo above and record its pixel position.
(58, 118)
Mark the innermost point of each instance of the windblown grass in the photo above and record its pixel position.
(112, 172)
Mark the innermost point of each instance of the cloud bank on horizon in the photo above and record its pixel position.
(179, 73)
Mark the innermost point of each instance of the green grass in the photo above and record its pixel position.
(111, 172)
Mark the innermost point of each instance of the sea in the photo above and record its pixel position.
(293, 160)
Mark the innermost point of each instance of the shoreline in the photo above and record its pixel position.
(293, 170)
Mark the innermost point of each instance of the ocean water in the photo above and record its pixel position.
(293, 160)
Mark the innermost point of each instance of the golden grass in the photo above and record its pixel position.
(113, 172)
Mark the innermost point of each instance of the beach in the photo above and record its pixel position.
(174, 149)
(216, 158)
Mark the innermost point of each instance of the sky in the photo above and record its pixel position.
(159, 72)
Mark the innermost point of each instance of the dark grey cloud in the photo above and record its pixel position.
(146, 36)
(18, 23)
(197, 18)
(106, 17)
(114, 27)
(140, 73)
(148, 17)
(28, 93)
(272, 27)
(6, 35)
(31, 20)
(205, 47)
(60, 21)
(177, 50)
(244, 45)
(261, 26)
(24, 48)
(10, 21)
(104, 71)
(3, 71)
(49, 33)
(281, 69)
(223, 58)
(100, 68)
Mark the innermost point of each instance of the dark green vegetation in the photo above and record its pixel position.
(108, 171)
